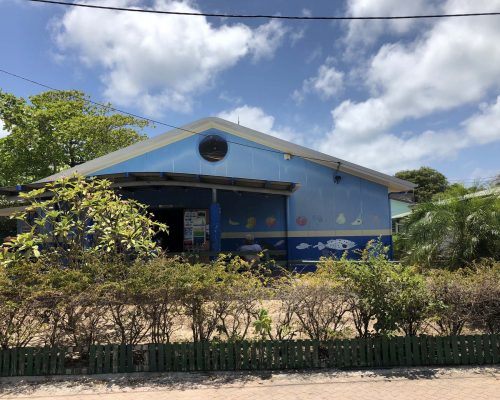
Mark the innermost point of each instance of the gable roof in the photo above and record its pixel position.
(88, 168)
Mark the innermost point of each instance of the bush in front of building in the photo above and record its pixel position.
(161, 299)
(74, 218)
(384, 297)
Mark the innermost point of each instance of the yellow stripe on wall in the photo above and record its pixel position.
(295, 234)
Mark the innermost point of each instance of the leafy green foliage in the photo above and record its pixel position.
(452, 231)
(429, 181)
(74, 218)
(122, 300)
(263, 323)
(56, 130)
(383, 295)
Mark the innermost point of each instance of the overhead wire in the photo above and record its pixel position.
(157, 122)
(112, 108)
(265, 16)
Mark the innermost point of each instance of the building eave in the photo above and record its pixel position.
(392, 183)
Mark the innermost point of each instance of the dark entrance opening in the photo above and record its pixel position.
(174, 218)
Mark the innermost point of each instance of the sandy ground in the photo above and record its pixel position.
(421, 383)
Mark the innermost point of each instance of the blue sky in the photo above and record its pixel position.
(388, 95)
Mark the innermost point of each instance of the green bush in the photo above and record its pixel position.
(56, 288)
(382, 295)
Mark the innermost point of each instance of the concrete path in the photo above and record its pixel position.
(422, 384)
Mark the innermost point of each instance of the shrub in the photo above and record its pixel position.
(485, 307)
(81, 218)
(382, 294)
(452, 297)
(320, 305)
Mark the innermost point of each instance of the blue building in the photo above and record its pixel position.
(214, 182)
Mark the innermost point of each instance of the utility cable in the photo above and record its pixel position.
(264, 16)
(111, 108)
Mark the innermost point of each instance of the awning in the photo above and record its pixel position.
(160, 179)
(7, 212)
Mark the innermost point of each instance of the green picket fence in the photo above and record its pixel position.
(256, 356)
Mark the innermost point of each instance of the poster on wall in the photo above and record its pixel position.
(195, 227)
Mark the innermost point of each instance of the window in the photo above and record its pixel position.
(213, 148)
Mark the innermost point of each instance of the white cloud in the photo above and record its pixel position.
(297, 36)
(367, 32)
(256, 118)
(228, 98)
(452, 64)
(266, 39)
(390, 153)
(484, 127)
(160, 62)
(3, 132)
(326, 83)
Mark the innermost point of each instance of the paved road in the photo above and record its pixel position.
(422, 384)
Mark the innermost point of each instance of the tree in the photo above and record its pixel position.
(452, 231)
(429, 182)
(82, 218)
(56, 130)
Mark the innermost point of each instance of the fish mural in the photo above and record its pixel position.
(340, 219)
(270, 221)
(233, 223)
(251, 222)
(301, 221)
(332, 244)
(320, 246)
(340, 244)
(318, 219)
(279, 243)
(358, 220)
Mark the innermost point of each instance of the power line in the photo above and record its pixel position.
(264, 16)
(109, 107)
(479, 179)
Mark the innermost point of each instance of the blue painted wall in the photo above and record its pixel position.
(319, 212)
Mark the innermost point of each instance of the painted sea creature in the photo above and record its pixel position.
(271, 221)
(340, 244)
(318, 218)
(320, 246)
(340, 219)
(301, 221)
(251, 222)
(302, 246)
(279, 243)
(233, 223)
(358, 220)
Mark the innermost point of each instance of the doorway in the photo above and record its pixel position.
(174, 218)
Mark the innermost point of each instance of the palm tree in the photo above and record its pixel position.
(454, 229)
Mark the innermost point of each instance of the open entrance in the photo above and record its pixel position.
(174, 239)
(187, 229)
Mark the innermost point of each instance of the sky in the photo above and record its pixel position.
(388, 95)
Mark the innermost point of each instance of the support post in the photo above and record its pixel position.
(215, 224)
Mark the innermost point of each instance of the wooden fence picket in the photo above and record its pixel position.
(494, 348)
(254, 355)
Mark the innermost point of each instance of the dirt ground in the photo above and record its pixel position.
(411, 383)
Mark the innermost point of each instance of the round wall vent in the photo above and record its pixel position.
(213, 148)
